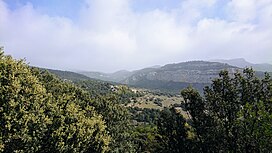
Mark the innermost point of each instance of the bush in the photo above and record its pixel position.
(40, 113)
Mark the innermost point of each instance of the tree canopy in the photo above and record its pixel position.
(40, 113)
(234, 115)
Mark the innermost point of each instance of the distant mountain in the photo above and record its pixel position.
(96, 75)
(174, 77)
(242, 63)
(121, 75)
(190, 72)
(113, 77)
(155, 66)
(171, 77)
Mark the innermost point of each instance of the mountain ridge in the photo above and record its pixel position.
(242, 63)
(170, 77)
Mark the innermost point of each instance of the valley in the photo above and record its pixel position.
(135, 76)
(171, 78)
(152, 88)
(137, 114)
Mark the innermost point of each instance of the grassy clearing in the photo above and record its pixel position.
(153, 100)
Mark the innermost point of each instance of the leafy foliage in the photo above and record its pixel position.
(235, 114)
(147, 138)
(40, 113)
(144, 115)
(67, 75)
(109, 103)
(171, 127)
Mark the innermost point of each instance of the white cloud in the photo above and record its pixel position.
(242, 10)
(109, 35)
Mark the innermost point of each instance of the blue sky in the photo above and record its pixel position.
(109, 35)
(71, 8)
(67, 8)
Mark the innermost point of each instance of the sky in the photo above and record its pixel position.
(111, 35)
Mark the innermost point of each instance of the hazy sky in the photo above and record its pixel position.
(109, 35)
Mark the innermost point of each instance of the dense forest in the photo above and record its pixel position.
(41, 112)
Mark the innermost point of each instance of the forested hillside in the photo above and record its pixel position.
(68, 75)
(174, 77)
(169, 78)
(39, 112)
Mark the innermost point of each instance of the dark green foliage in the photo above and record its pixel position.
(147, 138)
(235, 114)
(69, 76)
(95, 88)
(172, 131)
(118, 123)
(160, 131)
(144, 115)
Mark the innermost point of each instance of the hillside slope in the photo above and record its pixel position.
(174, 77)
(68, 75)
(170, 78)
(190, 72)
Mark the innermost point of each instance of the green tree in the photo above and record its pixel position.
(147, 138)
(118, 123)
(234, 115)
(116, 116)
(40, 113)
(173, 132)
